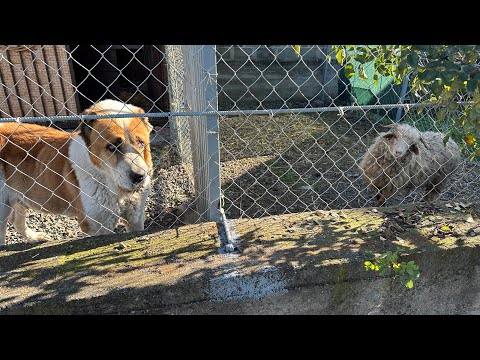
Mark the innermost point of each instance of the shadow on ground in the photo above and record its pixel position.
(172, 271)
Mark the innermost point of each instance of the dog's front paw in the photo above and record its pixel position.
(33, 236)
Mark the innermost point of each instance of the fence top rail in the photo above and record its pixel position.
(339, 109)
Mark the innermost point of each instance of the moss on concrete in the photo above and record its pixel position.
(176, 265)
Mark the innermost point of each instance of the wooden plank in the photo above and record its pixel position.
(5, 110)
(44, 82)
(67, 85)
(55, 80)
(15, 109)
(21, 87)
(34, 89)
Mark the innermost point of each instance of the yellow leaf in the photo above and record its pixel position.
(470, 139)
(340, 56)
(409, 284)
(297, 49)
(445, 228)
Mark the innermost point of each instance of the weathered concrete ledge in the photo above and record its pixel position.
(307, 263)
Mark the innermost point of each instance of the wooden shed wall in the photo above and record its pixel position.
(36, 80)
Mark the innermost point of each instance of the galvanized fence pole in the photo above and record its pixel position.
(209, 65)
(403, 93)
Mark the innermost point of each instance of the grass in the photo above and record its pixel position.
(284, 172)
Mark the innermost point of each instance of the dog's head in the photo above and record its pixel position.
(119, 147)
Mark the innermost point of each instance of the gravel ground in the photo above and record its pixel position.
(270, 165)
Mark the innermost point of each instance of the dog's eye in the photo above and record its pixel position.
(111, 147)
(141, 143)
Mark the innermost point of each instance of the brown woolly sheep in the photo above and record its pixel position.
(405, 158)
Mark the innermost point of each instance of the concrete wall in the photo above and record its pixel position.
(304, 263)
(268, 76)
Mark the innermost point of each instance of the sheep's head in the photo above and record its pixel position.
(402, 141)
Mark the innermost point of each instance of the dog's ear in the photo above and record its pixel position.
(87, 125)
(145, 120)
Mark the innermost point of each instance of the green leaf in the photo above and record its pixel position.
(471, 57)
(441, 114)
(446, 138)
(412, 59)
(468, 68)
(349, 71)
(450, 65)
(361, 58)
(471, 85)
(368, 254)
(467, 48)
(423, 48)
(462, 77)
(475, 154)
(385, 255)
(409, 284)
(429, 75)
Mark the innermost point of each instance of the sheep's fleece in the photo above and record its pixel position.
(405, 158)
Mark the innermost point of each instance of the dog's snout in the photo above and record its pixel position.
(136, 177)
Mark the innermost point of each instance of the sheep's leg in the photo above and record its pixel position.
(432, 192)
(380, 199)
(384, 193)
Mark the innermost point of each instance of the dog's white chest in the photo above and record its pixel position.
(100, 202)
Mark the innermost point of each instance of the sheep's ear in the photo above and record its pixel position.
(414, 149)
(389, 136)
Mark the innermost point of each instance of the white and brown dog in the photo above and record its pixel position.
(100, 174)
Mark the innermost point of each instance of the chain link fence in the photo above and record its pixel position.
(238, 131)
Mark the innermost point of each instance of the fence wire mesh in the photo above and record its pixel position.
(256, 130)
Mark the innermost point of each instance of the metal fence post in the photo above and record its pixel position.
(403, 93)
(209, 64)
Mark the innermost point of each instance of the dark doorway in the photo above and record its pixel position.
(136, 74)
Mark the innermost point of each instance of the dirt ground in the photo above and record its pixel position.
(305, 162)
